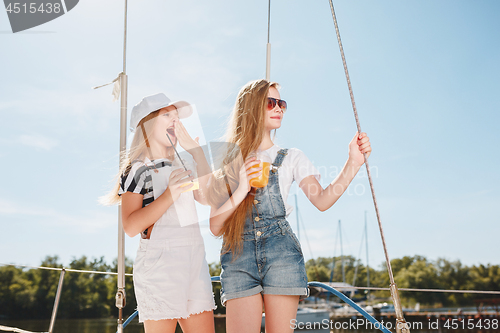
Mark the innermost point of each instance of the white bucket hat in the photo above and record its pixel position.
(156, 102)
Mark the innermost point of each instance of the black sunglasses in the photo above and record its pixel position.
(271, 104)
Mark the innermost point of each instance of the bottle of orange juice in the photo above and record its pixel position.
(265, 164)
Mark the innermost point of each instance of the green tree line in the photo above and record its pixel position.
(30, 293)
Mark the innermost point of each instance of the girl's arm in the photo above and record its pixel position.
(135, 218)
(219, 215)
(323, 199)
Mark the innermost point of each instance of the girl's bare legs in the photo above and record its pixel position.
(198, 323)
(244, 315)
(160, 326)
(201, 322)
(280, 310)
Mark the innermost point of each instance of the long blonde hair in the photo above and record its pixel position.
(244, 135)
(138, 150)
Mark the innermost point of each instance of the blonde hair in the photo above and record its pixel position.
(138, 150)
(244, 135)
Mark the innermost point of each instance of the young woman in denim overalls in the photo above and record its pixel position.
(261, 258)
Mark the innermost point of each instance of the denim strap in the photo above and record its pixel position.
(284, 226)
(279, 158)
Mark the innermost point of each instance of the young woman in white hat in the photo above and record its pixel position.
(171, 277)
(261, 259)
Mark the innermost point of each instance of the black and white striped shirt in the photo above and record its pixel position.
(137, 179)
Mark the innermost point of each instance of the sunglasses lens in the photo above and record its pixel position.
(271, 103)
(282, 105)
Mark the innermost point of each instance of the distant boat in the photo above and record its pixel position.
(386, 307)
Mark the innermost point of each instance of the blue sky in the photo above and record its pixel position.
(425, 76)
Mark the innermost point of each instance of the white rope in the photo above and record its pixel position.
(66, 269)
(14, 329)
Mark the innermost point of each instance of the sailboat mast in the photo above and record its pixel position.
(120, 294)
(297, 214)
(342, 253)
(268, 46)
(333, 258)
(367, 265)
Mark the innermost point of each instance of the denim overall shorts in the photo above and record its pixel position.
(271, 261)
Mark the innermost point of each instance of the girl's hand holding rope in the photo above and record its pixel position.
(359, 145)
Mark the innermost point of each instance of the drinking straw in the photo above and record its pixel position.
(179, 156)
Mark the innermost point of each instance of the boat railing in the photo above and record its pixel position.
(324, 286)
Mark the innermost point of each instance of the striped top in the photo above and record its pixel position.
(137, 179)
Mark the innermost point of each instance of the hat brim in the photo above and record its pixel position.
(184, 109)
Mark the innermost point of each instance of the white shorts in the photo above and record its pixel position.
(171, 279)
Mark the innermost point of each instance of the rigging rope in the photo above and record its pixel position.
(358, 259)
(66, 269)
(491, 292)
(394, 289)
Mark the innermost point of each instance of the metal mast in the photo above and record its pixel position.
(268, 49)
(342, 253)
(120, 294)
(297, 213)
(367, 264)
